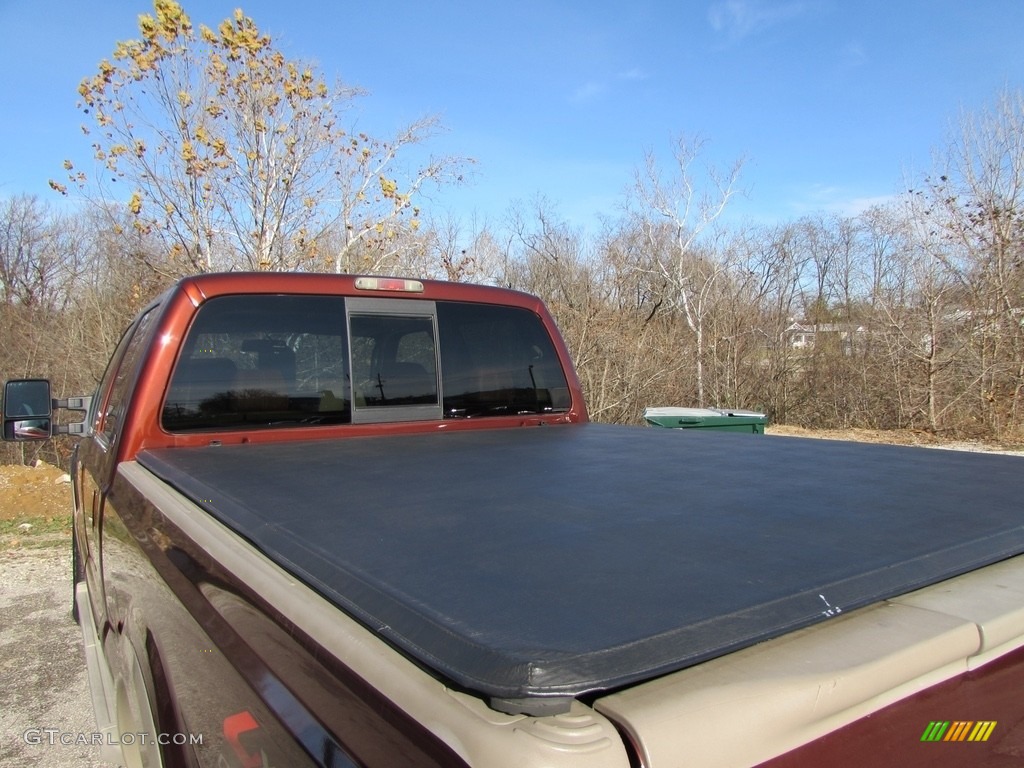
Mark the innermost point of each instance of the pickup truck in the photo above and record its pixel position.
(363, 521)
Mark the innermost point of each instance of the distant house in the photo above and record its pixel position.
(803, 335)
(800, 336)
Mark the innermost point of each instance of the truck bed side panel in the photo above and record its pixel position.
(223, 656)
(989, 695)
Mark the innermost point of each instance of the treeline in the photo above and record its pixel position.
(826, 322)
(880, 320)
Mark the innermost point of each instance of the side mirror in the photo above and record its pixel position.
(28, 410)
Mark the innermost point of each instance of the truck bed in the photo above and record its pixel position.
(589, 569)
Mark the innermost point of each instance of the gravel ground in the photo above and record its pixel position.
(44, 692)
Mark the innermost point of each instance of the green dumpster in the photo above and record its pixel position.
(720, 419)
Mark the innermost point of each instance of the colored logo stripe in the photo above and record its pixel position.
(982, 730)
(958, 730)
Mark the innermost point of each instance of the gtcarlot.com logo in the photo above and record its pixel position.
(52, 737)
(958, 730)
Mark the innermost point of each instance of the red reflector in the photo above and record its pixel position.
(234, 726)
(389, 284)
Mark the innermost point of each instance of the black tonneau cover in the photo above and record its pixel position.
(529, 565)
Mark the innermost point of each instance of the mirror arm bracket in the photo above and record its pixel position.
(77, 429)
(73, 403)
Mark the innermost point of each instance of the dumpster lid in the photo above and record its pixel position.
(697, 413)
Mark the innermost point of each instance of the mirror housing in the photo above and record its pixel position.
(28, 410)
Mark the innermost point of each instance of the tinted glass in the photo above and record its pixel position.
(266, 361)
(496, 361)
(393, 360)
(120, 391)
(261, 361)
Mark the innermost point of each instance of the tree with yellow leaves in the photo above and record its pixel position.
(234, 156)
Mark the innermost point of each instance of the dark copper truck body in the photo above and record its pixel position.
(329, 521)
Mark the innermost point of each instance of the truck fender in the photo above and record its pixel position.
(101, 680)
(136, 722)
(121, 701)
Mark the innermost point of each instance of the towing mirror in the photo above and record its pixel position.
(28, 410)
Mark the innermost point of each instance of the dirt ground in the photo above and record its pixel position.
(895, 437)
(35, 506)
(40, 491)
(44, 693)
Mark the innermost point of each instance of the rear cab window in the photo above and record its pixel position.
(266, 361)
(498, 360)
(261, 361)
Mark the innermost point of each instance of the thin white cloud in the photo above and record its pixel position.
(740, 19)
(853, 55)
(632, 75)
(588, 92)
(835, 199)
(592, 90)
(855, 206)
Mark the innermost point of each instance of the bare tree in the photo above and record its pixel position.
(974, 204)
(234, 155)
(683, 210)
(39, 254)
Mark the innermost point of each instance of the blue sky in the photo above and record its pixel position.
(833, 103)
